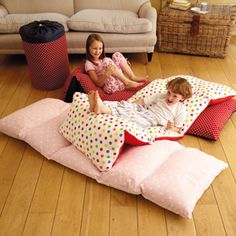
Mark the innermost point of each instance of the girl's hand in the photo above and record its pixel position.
(110, 69)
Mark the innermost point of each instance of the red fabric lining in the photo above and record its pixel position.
(212, 120)
(219, 100)
(132, 140)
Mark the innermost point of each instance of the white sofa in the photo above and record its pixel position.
(128, 26)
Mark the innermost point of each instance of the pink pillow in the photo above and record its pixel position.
(137, 163)
(45, 138)
(181, 180)
(166, 172)
(72, 158)
(18, 123)
(212, 120)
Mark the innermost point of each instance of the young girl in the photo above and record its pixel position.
(112, 74)
(161, 109)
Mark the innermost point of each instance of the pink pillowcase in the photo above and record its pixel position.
(212, 120)
(45, 138)
(181, 180)
(165, 172)
(20, 122)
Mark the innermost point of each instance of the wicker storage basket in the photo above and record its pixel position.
(212, 39)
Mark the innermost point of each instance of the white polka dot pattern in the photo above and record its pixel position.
(101, 137)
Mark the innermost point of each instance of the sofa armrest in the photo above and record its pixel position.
(3, 11)
(150, 13)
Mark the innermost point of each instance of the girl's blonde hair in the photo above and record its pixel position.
(91, 38)
(180, 86)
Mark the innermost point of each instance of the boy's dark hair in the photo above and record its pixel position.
(180, 86)
(91, 38)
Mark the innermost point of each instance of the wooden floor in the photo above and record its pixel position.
(41, 197)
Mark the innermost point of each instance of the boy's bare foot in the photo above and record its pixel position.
(91, 98)
(100, 107)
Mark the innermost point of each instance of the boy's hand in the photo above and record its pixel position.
(139, 101)
(171, 126)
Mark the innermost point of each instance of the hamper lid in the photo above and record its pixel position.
(217, 15)
(41, 31)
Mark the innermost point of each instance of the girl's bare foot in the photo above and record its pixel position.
(133, 84)
(91, 100)
(140, 78)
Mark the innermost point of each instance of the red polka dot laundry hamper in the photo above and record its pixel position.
(45, 47)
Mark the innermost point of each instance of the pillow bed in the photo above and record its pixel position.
(79, 81)
(211, 121)
(156, 171)
(101, 137)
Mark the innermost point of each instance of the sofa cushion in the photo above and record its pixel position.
(11, 23)
(130, 5)
(36, 6)
(3, 11)
(115, 21)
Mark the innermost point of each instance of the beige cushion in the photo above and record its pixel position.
(3, 11)
(65, 7)
(115, 21)
(128, 5)
(12, 22)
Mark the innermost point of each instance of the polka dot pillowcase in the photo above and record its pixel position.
(101, 137)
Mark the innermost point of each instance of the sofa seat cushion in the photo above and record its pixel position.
(11, 23)
(112, 21)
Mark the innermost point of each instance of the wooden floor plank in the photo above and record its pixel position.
(151, 219)
(69, 211)
(43, 206)
(9, 164)
(96, 211)
(224, 187)
(123, 218)
(17, 205)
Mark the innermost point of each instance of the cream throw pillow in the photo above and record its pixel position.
(12, 22)
(112, 21)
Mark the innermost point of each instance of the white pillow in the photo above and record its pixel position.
(11, 23)
(112, 21)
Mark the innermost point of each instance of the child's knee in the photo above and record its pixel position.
(118, 58)
(107, 61)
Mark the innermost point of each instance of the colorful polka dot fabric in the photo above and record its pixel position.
(101, 137)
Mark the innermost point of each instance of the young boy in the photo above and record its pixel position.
(161, 109)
